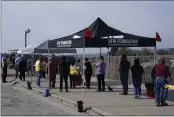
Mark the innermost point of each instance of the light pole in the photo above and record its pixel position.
(27, 31)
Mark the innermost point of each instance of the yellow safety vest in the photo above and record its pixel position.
(37, 65)
(73, 70)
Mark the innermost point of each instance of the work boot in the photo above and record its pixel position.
(103, 90)
(139, 97)
(53, 86)
(157, 104)
(136, 97)
(123, 93)
(164, 104)
(4, 81)
(99, 90)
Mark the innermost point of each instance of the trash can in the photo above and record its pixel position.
(80, 106)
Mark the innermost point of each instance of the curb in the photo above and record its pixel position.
(70, 103)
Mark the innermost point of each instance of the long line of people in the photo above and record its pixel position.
(160, 73)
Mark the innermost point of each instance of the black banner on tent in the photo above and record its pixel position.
(123, 42)
(71, 43)
(119, 42)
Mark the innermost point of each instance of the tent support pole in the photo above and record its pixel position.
(100, 51)
(48, 69)
(76, 56)
(108, 66)
(155, 55)
(83, 74)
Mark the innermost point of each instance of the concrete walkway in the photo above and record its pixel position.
(111, 102)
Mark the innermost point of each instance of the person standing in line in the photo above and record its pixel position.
(73, 74)
(43, 67)
(124, 73)
(4, 69)
(137, 72)
(160, 73)
(22, 68)
(88, 72)
(29, 66)
(101, 66)
(38, 71)
(52, 67)
(79, 79)
(79, 67)
(17, 60)
(64, 72)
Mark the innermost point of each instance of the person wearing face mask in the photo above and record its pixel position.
(124, 73)
(4, 69)
(160, 73)
(101, 66)
(73, 74)
(64, 72)
(137, 72)
(88, 72)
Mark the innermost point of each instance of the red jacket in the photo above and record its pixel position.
(160, 70)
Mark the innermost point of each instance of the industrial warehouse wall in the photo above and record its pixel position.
(146, 61)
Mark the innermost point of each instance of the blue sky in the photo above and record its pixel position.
(53, 19)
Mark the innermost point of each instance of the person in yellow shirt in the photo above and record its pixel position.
(38, 71)
(73, 74)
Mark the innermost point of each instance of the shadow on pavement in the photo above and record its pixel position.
(170, 95)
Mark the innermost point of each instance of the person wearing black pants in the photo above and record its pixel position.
(100, 79)
(64, 72)
(4, 70)
(22, 68)
(101, 66)
(88, 73)
(64, 77)
(137, 72)
(124, 73)
(72, 81)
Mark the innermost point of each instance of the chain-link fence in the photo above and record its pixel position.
(146, 61)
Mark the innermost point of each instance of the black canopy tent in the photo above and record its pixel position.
(99, 34)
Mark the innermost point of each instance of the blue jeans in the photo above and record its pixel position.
(159, 84)
(137, 86)
(38, 78)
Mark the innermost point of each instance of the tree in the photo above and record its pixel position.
(161, 52)
(123, 50)
(146, 51)
(113, 51)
